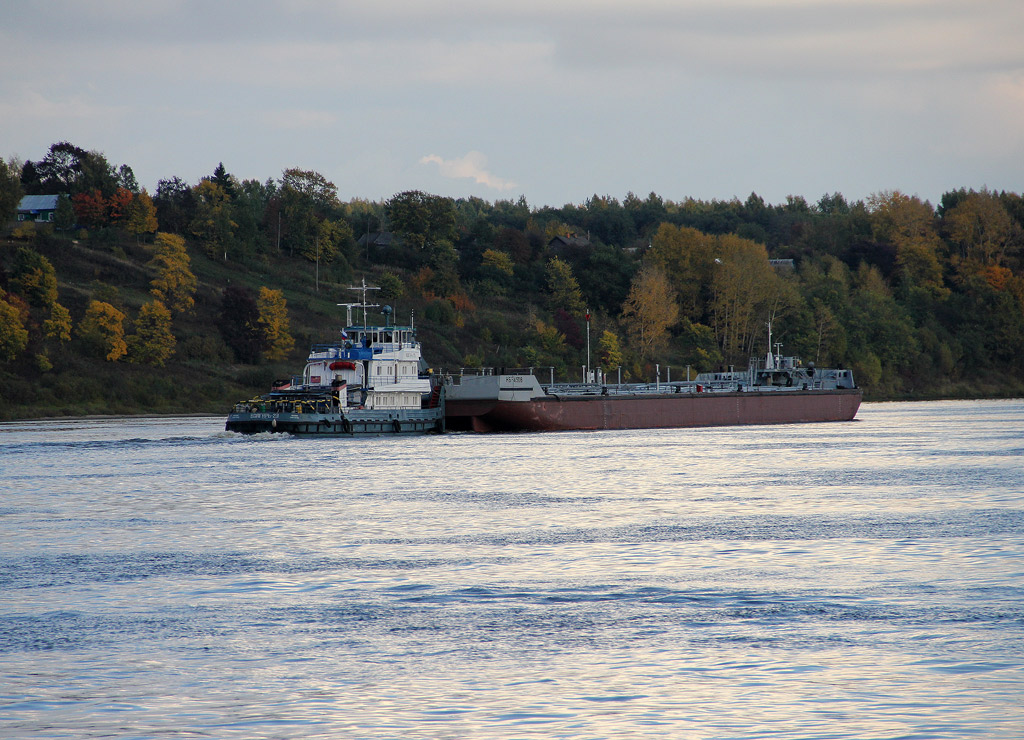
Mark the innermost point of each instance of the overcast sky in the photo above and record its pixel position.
(555, 100)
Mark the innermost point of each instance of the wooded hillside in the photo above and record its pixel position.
(197, 295)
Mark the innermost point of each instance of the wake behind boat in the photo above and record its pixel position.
(374, 381)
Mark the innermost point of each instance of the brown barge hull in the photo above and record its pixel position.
(657, 411)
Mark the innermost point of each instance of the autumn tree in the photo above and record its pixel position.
(687, 257)
(58, 325)
(174, 284)
(119, 206)
(980, 227)
(153, 342)
(496, 270)
(910, 225)
(609, 351)
(743, 289)
(102, 327)
(273, 320)
(34, 278)
(90, 208)
(650, 310)
(141, 216)
(13, 334)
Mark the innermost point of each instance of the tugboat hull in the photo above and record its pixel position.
(354, 423)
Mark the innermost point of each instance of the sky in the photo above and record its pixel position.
(554, 100)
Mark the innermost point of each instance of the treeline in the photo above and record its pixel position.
(921, 301)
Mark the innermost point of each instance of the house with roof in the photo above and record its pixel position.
(571, 241)
(379, 239)
(38, 207)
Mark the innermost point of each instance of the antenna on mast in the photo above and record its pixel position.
(364, 305)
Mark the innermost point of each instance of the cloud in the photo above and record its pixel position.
(472, 165)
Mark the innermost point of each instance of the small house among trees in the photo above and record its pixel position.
(559, 243)
(378, 239)
(38, 207)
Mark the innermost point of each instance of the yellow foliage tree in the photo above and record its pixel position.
(34, 278)
(273, 319)
(609, 351)
(152, 343)
(687, 256)
(13, 334)
(745, 291)
(499, 261)
(103, 328)
(141, 217)
(58, 326)
(909, 223)
(981, 227)
(650, 309)
(174, 284)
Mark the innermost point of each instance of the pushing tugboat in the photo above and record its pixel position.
(374, 381)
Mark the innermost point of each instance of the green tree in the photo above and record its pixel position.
(421, 219)
(64, 217)
(212, 223)
(321, 193)
(102, 327)
(153, 342)
(239, 324)
(174, 284)
(273, 319)
(390, 286)
(10, 188)
(563, 289)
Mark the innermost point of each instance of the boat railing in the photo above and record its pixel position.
(455, 375)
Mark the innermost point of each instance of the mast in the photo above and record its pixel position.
(364, 305)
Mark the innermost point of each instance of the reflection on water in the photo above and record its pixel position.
(163, 579)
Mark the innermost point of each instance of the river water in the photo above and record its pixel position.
(160, 578)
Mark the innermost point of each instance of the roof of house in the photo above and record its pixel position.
(378, 239)
(567, 241)
(31, 203)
